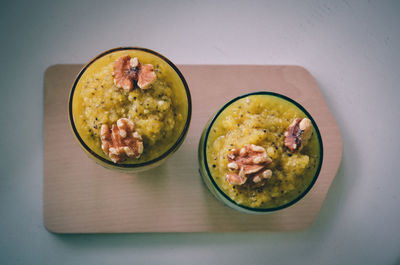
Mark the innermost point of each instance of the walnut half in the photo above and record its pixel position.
(298, 134)
(121, 141)
(128, 71)
(250, 161)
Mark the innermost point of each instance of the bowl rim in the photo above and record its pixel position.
(262, 210)
(173, 148)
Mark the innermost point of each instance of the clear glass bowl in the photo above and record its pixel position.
(173, 77)
(222, 194)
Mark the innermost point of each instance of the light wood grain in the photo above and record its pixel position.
(83, 197)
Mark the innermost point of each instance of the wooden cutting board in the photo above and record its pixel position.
(83, 197)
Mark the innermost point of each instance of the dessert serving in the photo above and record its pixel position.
(130, 108)
(261, 152)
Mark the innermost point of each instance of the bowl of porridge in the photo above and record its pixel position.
(130, 108)
(261, 152)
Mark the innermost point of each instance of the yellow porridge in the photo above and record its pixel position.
(258, 153)
(131, 120)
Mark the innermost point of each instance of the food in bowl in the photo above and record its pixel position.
(261, 152)
(129, 108)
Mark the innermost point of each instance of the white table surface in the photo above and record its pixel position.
(350, 47)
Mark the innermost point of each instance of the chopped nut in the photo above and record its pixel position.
(128, 71)
(251, 161)
(121, 141)
(298, 134)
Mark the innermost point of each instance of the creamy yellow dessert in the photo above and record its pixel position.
(262, 151)
(132, 95)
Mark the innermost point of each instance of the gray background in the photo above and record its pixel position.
(350, 47)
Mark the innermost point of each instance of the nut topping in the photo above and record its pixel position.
(251, 161)
(125, 73)
(121, 141)
(128, 71)
(146, 76)
(298, 134)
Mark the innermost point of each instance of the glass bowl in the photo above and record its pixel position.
(163, 111)
(259, 118)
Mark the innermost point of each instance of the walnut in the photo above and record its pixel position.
(146, 76)
(128, 71)
(125, 73)
(248, 162)
(121, 141)
(298, 134)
